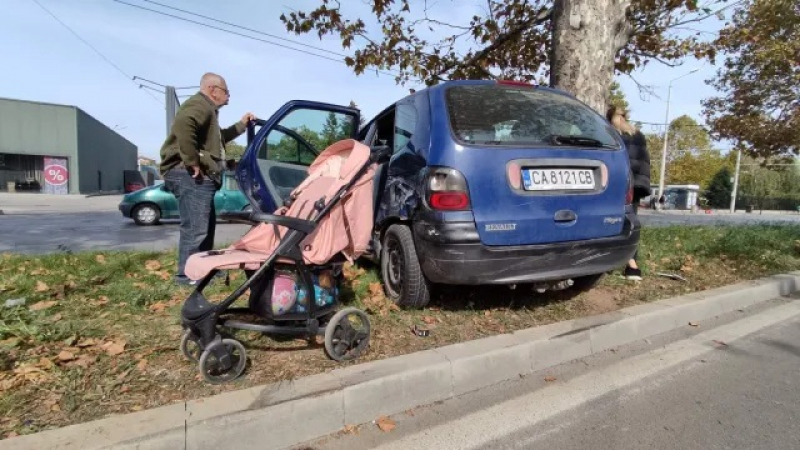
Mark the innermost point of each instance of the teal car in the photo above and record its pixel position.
(149, 205)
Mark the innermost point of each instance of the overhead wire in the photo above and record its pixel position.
(99, 53)
(214, 27)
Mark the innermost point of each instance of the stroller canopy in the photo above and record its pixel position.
(345, 229)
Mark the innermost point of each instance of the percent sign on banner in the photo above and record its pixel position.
(55, 175)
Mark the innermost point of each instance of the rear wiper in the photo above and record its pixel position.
(561, 139)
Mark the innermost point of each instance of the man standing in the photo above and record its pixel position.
(192, 163)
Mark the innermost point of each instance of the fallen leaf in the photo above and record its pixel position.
(102, 300)
(43, 305)
(164, 275)
(86, 343)
(693, 324)
(136, 408)
(100, 258)
(386, 424)
(124, 389)
(56, 318)
(375, 289)
(152, 265)
(65, 356)
(55, 407)
(720, 343)
(428, 320)
(41, 286)
(350, 429)
(550, 379)
(141, 365)
(104, 315)
(123, 375)
(487, 313)
(84, 361)
(140, 285)
(158, 307)
(45, 363)
(114, 348)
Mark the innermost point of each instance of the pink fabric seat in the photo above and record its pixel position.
(346, 229)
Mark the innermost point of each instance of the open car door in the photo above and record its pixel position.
(280, 149)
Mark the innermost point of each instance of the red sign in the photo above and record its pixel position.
(56, 175)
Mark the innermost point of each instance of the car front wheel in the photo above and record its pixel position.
(146, 214)
(402, 276)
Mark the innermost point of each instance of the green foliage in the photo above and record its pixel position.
(234, 151)
(720, 189)
(509, 38)
(691, 157)
(759, 82)
(617, 97)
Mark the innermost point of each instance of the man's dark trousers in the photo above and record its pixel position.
(198, 217)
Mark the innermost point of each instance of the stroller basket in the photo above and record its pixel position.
(293, 264)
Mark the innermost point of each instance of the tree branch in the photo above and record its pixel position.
(543, 16)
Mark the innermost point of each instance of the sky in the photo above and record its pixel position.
(46, 62)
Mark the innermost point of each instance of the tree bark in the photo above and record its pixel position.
(587, 34)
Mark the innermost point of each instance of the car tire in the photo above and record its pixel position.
(403, 280)
(586, 283)
(146, 214)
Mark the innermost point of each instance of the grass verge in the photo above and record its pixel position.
(98, 332)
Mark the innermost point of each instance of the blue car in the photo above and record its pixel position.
(490, 182)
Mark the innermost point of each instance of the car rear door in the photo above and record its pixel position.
(281, 149)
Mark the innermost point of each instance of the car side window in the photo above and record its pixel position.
(231, 184)
(282, 147)
(404, 124)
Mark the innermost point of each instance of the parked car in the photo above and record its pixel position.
(149, 205)
(491, 182)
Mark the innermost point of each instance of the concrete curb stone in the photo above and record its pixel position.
(286, 413)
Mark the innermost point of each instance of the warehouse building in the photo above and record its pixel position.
(60, 149)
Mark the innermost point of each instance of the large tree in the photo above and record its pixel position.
(759, 105)
(578, 44)
(691, 156)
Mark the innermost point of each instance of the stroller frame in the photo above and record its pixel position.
(203, 340)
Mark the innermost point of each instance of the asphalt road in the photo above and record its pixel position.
(671, 394)
(51, 232)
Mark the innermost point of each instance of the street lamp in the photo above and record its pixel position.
(666, 136)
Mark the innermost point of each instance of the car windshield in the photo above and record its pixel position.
(510, 115)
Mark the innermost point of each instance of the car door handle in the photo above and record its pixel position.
(565, 215)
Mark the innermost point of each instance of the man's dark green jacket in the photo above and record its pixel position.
(196, 138)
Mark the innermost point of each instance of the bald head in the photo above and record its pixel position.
(215, 87)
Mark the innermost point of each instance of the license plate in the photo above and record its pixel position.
(558, 179)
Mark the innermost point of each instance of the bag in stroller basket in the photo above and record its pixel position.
(293, 260)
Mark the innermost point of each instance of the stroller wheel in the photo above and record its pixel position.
(347, 334)
(190, 346)
(222, 361)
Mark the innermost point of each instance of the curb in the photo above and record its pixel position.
(286, 413)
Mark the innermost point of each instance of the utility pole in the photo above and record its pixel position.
(736, 180)
(666, 136)
(171, 100)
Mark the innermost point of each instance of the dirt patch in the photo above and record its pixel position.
(601, 300)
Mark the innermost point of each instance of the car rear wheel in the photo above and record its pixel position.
(146, 214)
(402, 276)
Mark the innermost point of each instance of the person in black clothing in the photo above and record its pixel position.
(639, 158)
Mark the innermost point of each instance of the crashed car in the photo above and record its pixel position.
(490, 182)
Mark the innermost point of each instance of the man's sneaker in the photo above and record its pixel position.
(633, 274)
(184, 281)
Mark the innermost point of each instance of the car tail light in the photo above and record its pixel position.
(447, 190)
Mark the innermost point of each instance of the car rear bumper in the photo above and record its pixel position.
(451, 253)
(125, 209)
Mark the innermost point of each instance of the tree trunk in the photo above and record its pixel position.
(587, 34)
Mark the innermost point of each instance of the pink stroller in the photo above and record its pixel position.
(293, 260)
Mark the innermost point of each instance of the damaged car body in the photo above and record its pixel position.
(490, 182)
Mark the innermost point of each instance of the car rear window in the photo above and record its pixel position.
(510, 115)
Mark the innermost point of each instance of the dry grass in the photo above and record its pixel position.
(98, 333)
